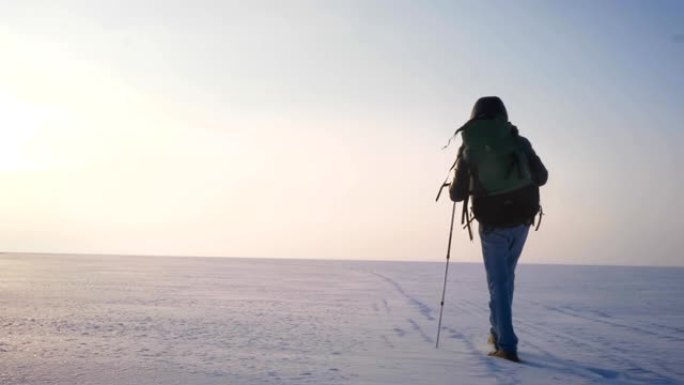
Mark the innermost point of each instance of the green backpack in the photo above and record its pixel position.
(503, 191)
(498, 164)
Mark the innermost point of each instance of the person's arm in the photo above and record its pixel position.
(539, 173)
(460, 185)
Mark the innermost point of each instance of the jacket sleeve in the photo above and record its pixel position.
(539, 173)
(460, 185)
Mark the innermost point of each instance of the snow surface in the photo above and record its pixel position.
(135, 320)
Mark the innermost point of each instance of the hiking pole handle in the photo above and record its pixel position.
(439, 193)
(446, 183)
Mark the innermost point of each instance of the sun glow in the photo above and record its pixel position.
(21, 124)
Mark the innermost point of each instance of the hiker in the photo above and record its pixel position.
(502, 177)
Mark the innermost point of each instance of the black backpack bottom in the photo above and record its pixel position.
(508, 209)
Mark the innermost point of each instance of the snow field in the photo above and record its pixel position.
(135, 320)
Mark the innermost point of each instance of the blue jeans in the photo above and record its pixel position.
(501, 248)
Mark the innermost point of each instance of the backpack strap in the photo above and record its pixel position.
(465, 217)
(541, 214)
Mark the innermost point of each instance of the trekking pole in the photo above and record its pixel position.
(446, 274)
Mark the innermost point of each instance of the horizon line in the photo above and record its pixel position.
(321, 259)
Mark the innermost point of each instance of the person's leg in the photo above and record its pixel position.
(497, 247)
(492, 308)
(518, 242)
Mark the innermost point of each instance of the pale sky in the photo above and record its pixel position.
(313, 129)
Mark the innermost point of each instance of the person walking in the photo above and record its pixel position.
(497, 168)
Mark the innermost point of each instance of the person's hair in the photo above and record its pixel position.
(489, 107)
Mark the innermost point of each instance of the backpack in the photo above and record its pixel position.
(501, 185)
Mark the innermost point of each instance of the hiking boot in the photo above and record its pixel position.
(510, 356)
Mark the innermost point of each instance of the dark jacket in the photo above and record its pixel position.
(460, 186)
